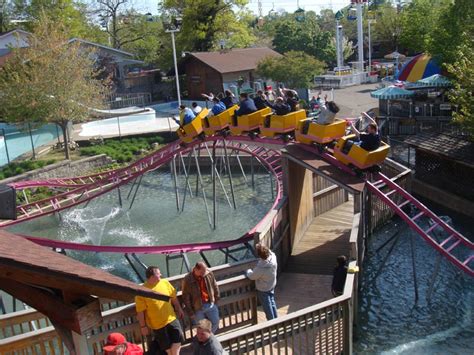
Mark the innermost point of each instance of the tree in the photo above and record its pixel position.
(305, 36)
(455, 29)
(74, 16)
(207, 22)
(462, 72)
(418, 21)
(51, 81)
(295, 69)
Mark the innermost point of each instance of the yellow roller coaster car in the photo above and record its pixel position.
(218, 122)
(359, 157)
(250, 122)
(192, 130)
(319, 133)
(285, 124)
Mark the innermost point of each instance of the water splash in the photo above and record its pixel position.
(92, 226)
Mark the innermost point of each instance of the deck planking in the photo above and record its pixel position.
(326, 238)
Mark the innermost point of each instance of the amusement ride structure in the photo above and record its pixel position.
(70, 192)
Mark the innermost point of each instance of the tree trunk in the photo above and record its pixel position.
(66, 139)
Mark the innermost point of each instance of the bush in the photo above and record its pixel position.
(17, 168)
(124, 150)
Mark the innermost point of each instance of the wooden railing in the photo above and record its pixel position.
(324, 328)
(237, 306)
(327, 195)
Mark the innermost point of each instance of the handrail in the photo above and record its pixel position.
(334, 310)
(265, 330)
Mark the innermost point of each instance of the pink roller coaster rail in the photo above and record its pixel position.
(455, 247)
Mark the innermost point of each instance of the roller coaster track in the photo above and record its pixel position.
(85, 188)
(449, 243)
(453, 246)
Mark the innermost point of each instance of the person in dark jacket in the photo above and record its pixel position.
(229, 99)
(339, 276)
(247, 105)
(260, 100)
(292, 100)
(280, 107)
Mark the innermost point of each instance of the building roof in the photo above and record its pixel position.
(30, 263)
(9, 33)
(110, 49)
(455, 148)
(234, 60)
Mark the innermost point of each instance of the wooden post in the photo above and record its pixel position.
(80, 344)
(348, 327)
(300, 196)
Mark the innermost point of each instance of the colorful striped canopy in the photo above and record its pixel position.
(417, 68)
(391, 93)
(437, 81)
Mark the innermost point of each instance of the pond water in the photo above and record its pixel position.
(154, 219)
(391, 322)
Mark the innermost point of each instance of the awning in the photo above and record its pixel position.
(436, 80)
(391, 92)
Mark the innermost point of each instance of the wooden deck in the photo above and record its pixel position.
(325, 239)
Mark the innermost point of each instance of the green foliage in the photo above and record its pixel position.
(17, 168)
(306, 36)
(455, 29)
(33, 195)
(73, 15)
(145, 39)
(125, 150)
(419, 20)
(462, 93)
(295, 69)
(51, 81)
(206, 23)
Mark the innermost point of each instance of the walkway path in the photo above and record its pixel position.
(307, 277)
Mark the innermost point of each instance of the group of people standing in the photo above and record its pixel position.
(159, 320)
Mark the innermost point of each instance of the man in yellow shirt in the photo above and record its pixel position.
(158, 318)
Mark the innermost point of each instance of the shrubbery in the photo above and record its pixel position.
(17, 168)
(124, 150)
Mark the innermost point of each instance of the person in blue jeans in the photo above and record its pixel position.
(200, 295)
(264, 275)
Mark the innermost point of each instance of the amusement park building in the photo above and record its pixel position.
(217, 71)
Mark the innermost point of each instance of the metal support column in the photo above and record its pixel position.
(187, 179)
(415, 282)
(175, 180)
(230, 175)
(202, 188)
(186, 175)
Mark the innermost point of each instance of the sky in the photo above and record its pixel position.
(267, 5)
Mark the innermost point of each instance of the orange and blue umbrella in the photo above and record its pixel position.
(419, 67)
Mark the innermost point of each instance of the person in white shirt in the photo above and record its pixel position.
(196, 108)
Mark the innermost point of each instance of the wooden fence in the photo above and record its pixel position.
(324, 328)
(30, 331)
(327, 195)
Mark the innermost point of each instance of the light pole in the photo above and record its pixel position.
(370, 21)
(172, 25)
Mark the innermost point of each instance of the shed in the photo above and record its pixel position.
(445, 161)
(63, 289)
(217, 71)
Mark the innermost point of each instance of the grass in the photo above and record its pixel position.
(123, 151)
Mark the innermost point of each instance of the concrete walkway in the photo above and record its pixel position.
(352, 100)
